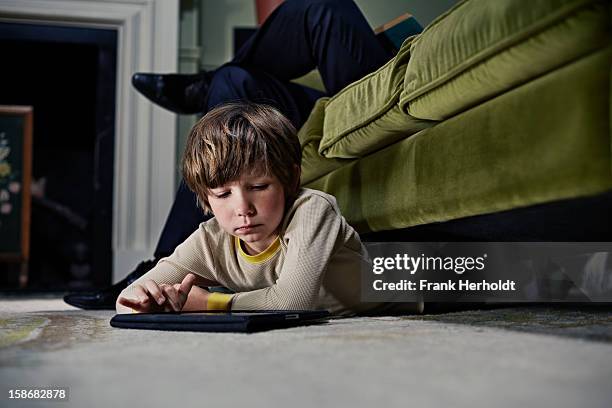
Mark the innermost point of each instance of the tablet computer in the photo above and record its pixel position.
(243, 321)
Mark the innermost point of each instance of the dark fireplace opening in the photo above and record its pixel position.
(68, 75)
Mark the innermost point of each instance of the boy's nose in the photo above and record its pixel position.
(246, 211)
(245, 208)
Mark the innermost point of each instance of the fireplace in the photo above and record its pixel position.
(130, 135)
(68, 76)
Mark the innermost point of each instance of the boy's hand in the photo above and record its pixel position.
(151, 297)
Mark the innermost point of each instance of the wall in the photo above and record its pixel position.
(217, 20)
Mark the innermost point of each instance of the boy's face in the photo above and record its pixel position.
(250, 208)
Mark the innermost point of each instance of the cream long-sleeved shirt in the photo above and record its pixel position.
(315, 263)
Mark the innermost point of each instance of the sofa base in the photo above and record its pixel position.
(585, 219)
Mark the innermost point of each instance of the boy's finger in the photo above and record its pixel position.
(139, 293)
(172, 296)
(131, 303)
(155, 291)
(187, 284)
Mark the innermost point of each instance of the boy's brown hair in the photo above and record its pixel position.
(241, 138)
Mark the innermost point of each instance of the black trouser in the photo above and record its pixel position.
(299, 36)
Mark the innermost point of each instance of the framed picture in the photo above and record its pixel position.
(15, 180)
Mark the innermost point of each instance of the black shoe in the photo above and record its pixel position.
(106, 298)
(179, 93)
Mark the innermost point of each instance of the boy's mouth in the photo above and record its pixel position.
(247, 228)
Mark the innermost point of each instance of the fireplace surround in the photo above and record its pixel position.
(145, 135)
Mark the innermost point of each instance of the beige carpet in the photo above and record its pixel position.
(505, 357)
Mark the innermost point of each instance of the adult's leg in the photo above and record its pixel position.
(300, 35)
(184, 218)
(232, 82)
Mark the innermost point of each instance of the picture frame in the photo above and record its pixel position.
(16, 125)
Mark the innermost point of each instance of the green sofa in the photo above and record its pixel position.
(495, 107)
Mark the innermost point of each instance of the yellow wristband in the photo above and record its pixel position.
(218, 301)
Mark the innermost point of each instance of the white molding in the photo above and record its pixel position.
(145, 134)
(190, 55)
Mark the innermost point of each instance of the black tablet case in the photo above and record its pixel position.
(235, 321)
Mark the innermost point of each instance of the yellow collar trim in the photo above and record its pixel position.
(260, 257)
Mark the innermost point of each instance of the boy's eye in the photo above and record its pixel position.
(259, 186)
(222, 194)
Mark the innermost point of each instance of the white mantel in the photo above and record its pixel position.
(145, 135)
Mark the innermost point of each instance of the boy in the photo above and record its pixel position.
(276, 245)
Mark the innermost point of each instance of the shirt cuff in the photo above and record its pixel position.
(219, 301)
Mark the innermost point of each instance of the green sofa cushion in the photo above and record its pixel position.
(387, 129)
(546, 140)
(363, 117)
(481, 48)
(313, 164)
